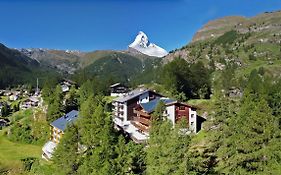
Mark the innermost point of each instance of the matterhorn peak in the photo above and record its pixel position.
(143, 45)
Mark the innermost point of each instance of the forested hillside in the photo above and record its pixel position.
(17, 69)
(115, 65)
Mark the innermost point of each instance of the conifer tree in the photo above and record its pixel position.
(66, 154)
(5, 111)
(71, 102)
(167, 146)
(55, 107)
(248, 147)
(99, 141)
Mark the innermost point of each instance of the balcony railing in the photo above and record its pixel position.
(141, 113)
(142, 120)
(141, 127)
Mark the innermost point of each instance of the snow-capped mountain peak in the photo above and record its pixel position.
(143, 45)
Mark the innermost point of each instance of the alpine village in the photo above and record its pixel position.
(212, 106)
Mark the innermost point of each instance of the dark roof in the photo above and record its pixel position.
(68, 118)
(150, 106)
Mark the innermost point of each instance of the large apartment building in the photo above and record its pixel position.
(123, 106)
(132, 113)
(174, 111)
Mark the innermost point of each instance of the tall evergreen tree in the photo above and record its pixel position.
(66, 154)
(253, 134)
(71, 101)
(55, 107)
(99, 142)
(5, 111)
(167, 146)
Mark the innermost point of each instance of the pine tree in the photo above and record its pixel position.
(66, 154)
(55, 108)
(71, 102)
(167, 146)
(5, 111)
(203, 160)
(248, 147)
(99, 141)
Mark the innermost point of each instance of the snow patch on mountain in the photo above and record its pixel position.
(143, 45)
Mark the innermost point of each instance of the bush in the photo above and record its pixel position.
(29, 162)
(29, 131)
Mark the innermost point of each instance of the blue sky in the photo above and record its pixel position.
(112, 24)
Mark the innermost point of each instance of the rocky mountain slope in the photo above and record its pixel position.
(236, 46)
(235, 39)
(65, 61)
(265, 23)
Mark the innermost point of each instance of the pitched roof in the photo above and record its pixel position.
(130, 95)
(150, 106)
(68, 118)
(116, 84)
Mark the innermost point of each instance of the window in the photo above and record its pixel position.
(182, 107)
(192, 115)
(192, 123)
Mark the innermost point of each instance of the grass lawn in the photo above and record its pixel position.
(11, 153)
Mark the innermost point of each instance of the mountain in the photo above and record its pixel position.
(118, 65)
(243, 44)
(17, 68)
(264, 23)
(68, 61)
(143, 45)
(64, 61)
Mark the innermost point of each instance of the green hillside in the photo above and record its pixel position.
(244, 45)
(119, 66)
(16, 68)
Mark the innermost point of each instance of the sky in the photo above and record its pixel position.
(89, 25)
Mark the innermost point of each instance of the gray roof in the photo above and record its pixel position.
(150, 106)
(116, 84)
(130, 95)
(68, 118)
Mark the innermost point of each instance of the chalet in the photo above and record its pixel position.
(57, 130)
(123, 106)
(32, 101)
(64, 88)
(13, 97)
(66, 84)
(7, 93)
(174, 111)
(118, 90)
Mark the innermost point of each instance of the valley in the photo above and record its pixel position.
(209, 107)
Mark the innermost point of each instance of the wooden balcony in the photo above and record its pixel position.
(140, 127)
(142, 120)
(141, 113)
